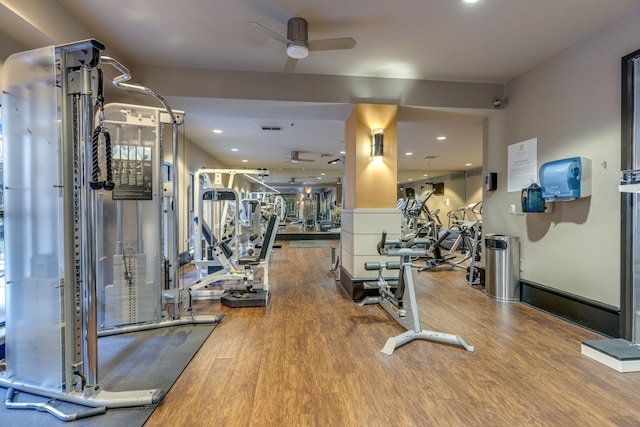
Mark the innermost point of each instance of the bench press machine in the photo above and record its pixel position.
(234, 283)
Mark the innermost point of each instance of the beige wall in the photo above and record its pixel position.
(370, 183)
(571, 103)
(191, 158)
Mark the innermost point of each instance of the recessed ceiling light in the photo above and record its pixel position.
(234, 149)
(468, 164)
(408, 153)
(410, 179)
(342, 152)
(470, 1)
(426, 174)
(323, 173)
(217, 131)
(441, 138)
(245, 161)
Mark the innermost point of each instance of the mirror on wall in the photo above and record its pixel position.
(445, 193)
(316, 210)
(431, 143)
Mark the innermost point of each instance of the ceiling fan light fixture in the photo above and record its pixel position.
(297, 49)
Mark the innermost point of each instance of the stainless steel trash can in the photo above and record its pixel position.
(502, 267)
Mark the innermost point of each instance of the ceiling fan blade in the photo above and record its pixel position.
(305, 160)
(332, 44)
(270, 33)
(290, 65)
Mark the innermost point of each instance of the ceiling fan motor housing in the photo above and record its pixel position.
(297, 34)
(297, 30)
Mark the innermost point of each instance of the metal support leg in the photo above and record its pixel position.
(50, 406)
(408, 336)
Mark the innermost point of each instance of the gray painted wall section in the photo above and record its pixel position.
(264, 86)
(571, 103)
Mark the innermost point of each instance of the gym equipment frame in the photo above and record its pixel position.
(51, 227)
(234, 282)
(399, 299)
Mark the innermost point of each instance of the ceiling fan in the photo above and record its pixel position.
(295, 158)
(298, 45)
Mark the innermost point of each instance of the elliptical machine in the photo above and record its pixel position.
(398, 298)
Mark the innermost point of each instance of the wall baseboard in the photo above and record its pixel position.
(599, 317)
(308, 236)
(593, 315)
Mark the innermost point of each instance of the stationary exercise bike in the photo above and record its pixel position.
(398, 298)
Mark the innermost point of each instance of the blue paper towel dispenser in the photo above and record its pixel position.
(566, 179)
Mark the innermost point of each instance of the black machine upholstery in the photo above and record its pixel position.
(267, 244)
(211, 239)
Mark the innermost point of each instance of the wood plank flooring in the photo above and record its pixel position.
(312, 358)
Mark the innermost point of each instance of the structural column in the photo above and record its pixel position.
(370, 196)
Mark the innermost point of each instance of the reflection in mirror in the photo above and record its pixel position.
(313, 210)
(444, 192)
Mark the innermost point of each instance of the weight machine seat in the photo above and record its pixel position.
(269, 237)
(249, 260)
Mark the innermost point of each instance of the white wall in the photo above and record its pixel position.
(191, 158)
(571, 103)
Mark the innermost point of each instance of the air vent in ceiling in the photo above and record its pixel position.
(271, 128)
(431, 157)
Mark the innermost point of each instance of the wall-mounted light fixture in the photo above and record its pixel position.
(377, 142)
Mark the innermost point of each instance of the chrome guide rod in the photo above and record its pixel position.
(119, 227)
(118, 204)
(88, 255)
(69, 280)
(139, 210)
(175, 199)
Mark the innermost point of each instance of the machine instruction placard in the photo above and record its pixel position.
(132, 172)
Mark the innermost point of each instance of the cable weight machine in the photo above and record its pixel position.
(53, 186)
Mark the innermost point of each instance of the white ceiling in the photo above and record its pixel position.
(491, 41)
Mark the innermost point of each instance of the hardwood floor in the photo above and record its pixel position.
(312, 358)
